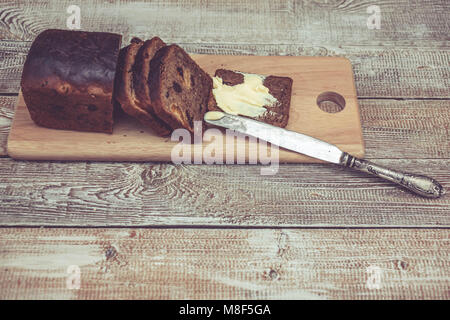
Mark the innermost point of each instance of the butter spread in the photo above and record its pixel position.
(247, 98)
(214, 115)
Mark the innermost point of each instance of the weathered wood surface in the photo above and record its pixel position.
(403, 23)
(406, 129)
(407, 57)
(392, 129)
(379, 72)
(6, 114)
(225, 264)
(133, 194)
(95, 194)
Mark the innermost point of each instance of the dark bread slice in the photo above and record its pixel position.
(279, 87)
(124, 91)
(141, 71)
(68, 79)
(179, 88)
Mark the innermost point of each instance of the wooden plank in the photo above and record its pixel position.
(6, 114)
(12, 59)
(301, 22)
(131, 141)
(406, 129)
(130, 194)
(225, 264)
(409, 129)
(379, 72)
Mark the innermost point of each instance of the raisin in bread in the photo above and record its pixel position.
(125, 93)
(276, 110)
(68, 79)
(179, 88)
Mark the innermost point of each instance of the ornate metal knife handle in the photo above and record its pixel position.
(422, 185)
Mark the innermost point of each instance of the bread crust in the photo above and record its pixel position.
(141, 71)
(68, 79)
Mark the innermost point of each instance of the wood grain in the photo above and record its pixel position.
(131, 141)
(379, 72)
(133, 194)
(319, 22)
(6, 114)
(407, 58)
(224, 264)
(408, 129)
(393, 61)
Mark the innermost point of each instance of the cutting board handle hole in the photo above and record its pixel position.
(331, 102)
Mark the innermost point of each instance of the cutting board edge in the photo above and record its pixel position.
(17, 152)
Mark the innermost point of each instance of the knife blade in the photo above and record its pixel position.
(307, 145)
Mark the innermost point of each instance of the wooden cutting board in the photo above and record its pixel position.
(313, 78)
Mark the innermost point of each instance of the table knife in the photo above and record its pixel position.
(312, 147)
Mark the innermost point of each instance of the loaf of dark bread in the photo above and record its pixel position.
(179, 88)
(280, 88)
(125, 92)
(68, 79)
